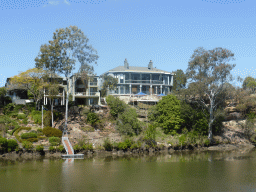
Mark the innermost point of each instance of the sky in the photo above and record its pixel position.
(164, 31)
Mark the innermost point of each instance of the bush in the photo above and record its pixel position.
(18, 130)
(92, 118)
(52, 149)
(116, 105)
(122, 146)
(167, 114)
(39, 148)
(54, 141)
(25, 121)
(27, 145)
(47, 119)
(57, 115)
(3, 144)
(107, 145)
(12, 144)
(150, 135)
(61, 149)
(87, 146)
(77, 147)
(32, 140)
(127, 122)
(52, 132)
(21, 116)
(28, 135)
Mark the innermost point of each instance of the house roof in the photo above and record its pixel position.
(137, 69)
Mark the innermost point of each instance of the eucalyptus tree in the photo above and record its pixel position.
(109, 83)
(32, 81)
(179, 80)
(68, 47)
(249, 83)
(209, 70)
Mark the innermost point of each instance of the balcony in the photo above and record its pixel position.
(87, 94)
(144, 81)
(93, 83)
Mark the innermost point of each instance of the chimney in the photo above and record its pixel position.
(126, 64)
(150, 65)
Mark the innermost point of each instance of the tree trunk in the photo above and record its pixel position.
(66, 115)
(52, 111)
(211, 121)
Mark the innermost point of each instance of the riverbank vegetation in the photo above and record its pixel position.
(202, 99)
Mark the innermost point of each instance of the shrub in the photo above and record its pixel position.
(116, 105)
(27, 145)
(127, 122)
(54, 141)
(61, 149)
(77, 147)
(49, 132)
(3, 144)
(52, 149)
(167, 114)
(87, 146)
(28, 135)
(39, 148)
(18, 130)
(25, 121)
(32, 140)
(150, 135)
(122, 146)
(87, 129)
(92, 118)
(57, 115)
(47, 119)
(21, 116)
(107, 145)
(12, 144)
(39, 130)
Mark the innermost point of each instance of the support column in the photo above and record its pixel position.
(140, 78)
(73, 84)
(161, 88)
(156, 89)
(150, 78)
(140, 87)
(168, 80)
(119, 89)
(150, 89)
(44, 96)
(130, 89)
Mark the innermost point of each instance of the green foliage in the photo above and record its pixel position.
(127, 122)
(54, 141)
(88, 129)
(39, 148)
(61, 149)
(107, 145)
(109, 82)
(92, 118)
(150, 135)
(49, 132)
(37, 117)
(8, 108)
(116, 105)
(47, 119)
(12, 144)
(28, 135)
(194, 118)
(3, 144)
(179, 80)
(17, 132)
(87, 146)
(27, 145)
(57, 115)
(21, 116)
(52, 149)
(31, 140)
(25, 121)
(167, 114)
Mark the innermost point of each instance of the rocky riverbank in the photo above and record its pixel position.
(23, 155)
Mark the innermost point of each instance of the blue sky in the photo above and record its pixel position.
(164, 31)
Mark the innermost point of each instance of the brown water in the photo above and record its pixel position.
(204, 171)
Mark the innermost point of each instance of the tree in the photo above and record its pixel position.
(69, 45)
(210, 70)
(32, 81)
(250, 83)
(109, 83)
(3, 92)
(167, 114)
(179, 80)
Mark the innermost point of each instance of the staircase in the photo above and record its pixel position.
(68, 147)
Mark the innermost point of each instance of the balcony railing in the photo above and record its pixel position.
(87, 93)
(93, 83)
(144, 81)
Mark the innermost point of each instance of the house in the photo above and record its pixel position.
(85, 93)
(17, 94)
(132, 80)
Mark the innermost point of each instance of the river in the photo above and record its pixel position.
(179, 171)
